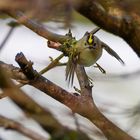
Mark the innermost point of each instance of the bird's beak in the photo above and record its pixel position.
(92, 47)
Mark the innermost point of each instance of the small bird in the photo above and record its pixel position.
(86, 52)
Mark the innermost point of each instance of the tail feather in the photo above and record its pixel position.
(70, 70)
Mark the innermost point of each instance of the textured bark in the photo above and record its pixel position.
(120, 17)
(84, 104)
(13, 125)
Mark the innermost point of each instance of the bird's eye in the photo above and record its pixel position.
(94, 44)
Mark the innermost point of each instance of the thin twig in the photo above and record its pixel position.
(53, 64)
(94, 31)
(7, 37)
(11, 124)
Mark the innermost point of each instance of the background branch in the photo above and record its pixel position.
(36, 26)
(79, 104)
(43, 116)
(11, 30)
(11, 124)
(110, 15)
(117, 17)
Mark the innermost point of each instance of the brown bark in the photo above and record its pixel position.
(84, 104)
(121, 18)
(113, 16)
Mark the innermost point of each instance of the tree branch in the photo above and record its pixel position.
(36, 26)
(43, 116)
(79, 104)
(115, 17)
(86, 88)
(11, 124)
(13, 72)
(7, 37)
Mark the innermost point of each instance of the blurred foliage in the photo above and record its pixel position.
(42, 10)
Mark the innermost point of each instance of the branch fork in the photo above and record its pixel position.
(83, 104)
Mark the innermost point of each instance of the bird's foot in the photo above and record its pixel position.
(100, 68)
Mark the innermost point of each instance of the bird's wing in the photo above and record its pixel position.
(70, 69)
(112, 52)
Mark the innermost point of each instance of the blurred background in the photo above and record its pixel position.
(116, 93)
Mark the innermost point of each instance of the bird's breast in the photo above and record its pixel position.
(88, 57)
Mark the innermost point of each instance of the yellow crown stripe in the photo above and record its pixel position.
(90, 39)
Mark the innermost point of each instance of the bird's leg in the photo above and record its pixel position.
(90, 80)
(77, 90)
(53, 64)
(100, 68)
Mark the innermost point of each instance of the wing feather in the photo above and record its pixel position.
(112, 52)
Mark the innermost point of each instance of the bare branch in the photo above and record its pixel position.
(11, 124)
(107, 15)
(79, 104)
(86, 88)
(7, 37)
(36, 27)
(13, 72)
(117, 17)
(43, 116)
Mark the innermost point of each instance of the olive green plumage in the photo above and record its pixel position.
(86, 52)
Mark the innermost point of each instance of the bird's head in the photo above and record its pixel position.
(91, 41)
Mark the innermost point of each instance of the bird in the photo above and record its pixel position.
(86, 52)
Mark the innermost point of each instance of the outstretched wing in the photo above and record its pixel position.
(70, 69)
(112, 52)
